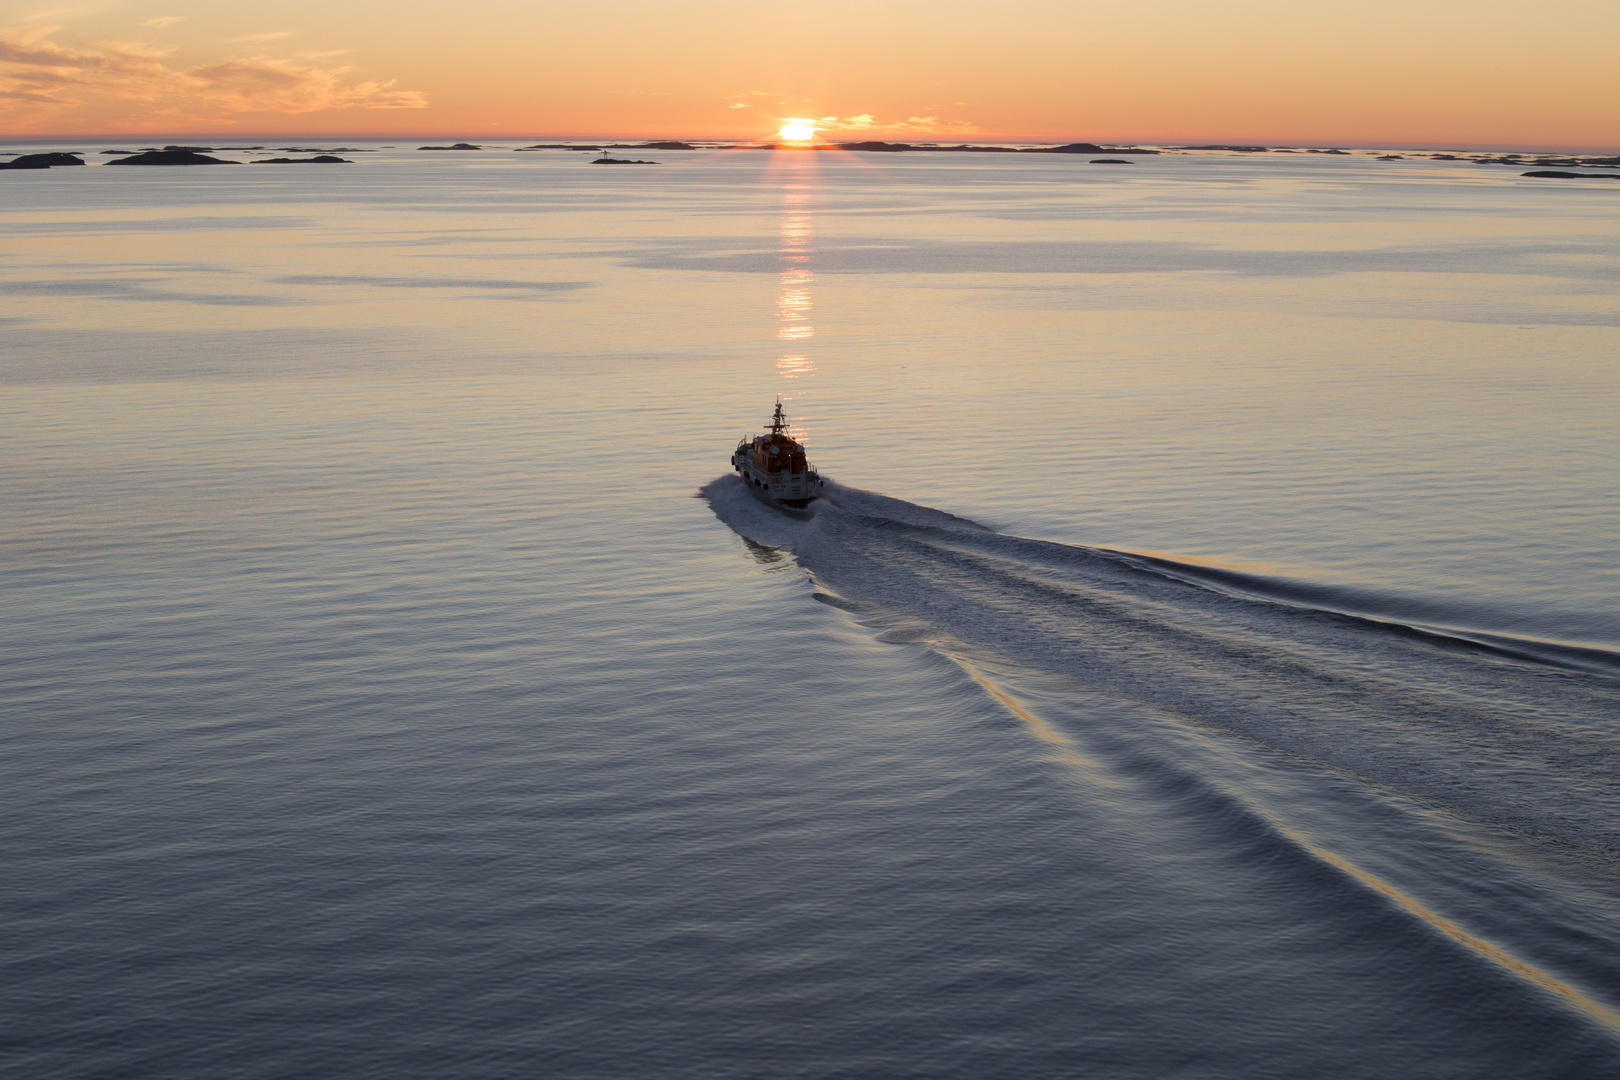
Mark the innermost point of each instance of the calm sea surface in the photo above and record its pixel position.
(1215, 674)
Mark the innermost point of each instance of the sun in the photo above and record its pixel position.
(797, 131)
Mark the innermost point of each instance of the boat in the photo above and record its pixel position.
(774, 466)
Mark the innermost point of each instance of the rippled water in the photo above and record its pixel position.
(1216, 674)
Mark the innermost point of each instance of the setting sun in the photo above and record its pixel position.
(797, 131)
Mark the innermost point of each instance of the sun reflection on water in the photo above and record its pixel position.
(791, 367)
(794, 303)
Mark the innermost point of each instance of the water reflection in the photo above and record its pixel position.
(793, 366)
(794, 305)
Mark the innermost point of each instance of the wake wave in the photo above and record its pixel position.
(1512, 732)
(1390, 614)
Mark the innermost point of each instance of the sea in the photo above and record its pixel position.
(1204, 663)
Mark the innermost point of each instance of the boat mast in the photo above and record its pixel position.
(778, 422)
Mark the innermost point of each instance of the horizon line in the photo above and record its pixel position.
(217, 136)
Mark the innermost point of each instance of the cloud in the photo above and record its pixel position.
(34, 96)
(867, 122)
(254, 39)
(914, 125)
(37, 71)
(739, 105)
(162, 21)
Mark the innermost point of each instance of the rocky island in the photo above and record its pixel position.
(1555, 174)
(1067, 148)
(171, 156)
(41, 161)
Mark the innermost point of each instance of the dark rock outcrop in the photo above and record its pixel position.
(323, 159)
(41, 161)
(457, 146)
(620, 161)
(1109, 161)
(1233, 149)
(652, 146)
(1578, 162)
(1069, 148)
(171, 157)
(1554, 174)
(1089, 148)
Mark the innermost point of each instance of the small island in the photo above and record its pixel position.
(895, 148)
(171, 156)
(322, 159)
(41, 161)
(457, 146)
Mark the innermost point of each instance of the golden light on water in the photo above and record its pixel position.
(794, 302)
(794, 305)
(792, 366)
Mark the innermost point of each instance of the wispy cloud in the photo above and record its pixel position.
(162, 21)
(867, 122)
(912, 125)
(256, 39)
(37, 71)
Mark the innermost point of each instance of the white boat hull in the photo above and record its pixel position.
(795, 489)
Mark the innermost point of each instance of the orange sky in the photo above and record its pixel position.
(1375, 72)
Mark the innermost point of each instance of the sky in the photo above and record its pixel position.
(1421, 73)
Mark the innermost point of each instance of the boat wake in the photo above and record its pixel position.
(1519, 735)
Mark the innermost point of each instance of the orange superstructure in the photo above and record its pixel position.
(775, 465)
